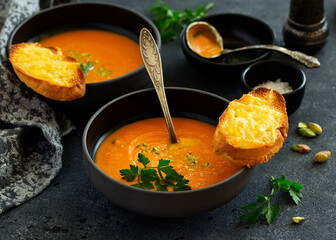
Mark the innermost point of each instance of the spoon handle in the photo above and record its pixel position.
(308, 61)
(152, 60)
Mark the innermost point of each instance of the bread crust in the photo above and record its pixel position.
(255, 153)
(74, 82)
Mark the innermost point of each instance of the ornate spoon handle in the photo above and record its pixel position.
(309, 61)
(152, 60)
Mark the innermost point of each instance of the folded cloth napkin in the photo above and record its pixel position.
(30, 132)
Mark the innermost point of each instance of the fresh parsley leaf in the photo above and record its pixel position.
(142, 159)
(285, 185)
(261, 199)
(130, 174)
(250, 217)
(296, 195)
(163, 163)
(182, 185)
(148, 175)
(163, 176)
(161, 187)
(172, 178)
(145, 185)
(169, 21)
(271, 210)
(86, 68)
(249, 206)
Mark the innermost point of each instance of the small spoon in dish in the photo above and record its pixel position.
(204, 40)
(152, 60)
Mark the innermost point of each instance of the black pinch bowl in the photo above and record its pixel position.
(90, 15)
(271, 70)
(237, 30)
(142, 104)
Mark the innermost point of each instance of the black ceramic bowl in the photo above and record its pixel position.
(237, 30)
(271, 70)
(91, 15)
(142, 104)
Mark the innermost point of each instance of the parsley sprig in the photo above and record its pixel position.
(160, 177)
(86, 68)
(271, 210)
(168, 21)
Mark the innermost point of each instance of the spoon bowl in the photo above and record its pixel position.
(198, 33)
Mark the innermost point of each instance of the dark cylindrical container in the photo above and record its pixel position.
(306, 28)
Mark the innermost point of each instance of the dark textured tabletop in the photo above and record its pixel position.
(71, 208)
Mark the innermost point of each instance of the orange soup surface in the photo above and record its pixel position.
(104, 55)
(204, 43)
(192, 156)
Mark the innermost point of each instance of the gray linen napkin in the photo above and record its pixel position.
(30, 131)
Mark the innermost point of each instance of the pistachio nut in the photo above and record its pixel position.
(306, 132)
(302, 125)
(315, 127)
(301, 148)
(298, 219)
(322, 156)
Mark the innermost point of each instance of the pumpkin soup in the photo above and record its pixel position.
(191, 157)
(103, 55)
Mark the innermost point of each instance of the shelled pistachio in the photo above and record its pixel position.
(322, 156)
(301, 148)
(298, 219)
(306, 132)
(315, 128)
(302, 125)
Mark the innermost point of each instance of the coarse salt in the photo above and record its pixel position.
(278, 85)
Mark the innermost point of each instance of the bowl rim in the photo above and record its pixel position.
(102, 4)
(184, 44)
(145, 191)
(275, 61)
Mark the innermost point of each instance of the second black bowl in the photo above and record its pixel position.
(271, 70)
(237, 30)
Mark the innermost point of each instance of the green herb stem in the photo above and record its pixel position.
(271, 210)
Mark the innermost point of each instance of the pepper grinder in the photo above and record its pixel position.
(306, 28)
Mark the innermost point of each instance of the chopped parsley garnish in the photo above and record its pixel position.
(86, 68)
(160, 177)
(192, 160)
(271, 210)
(168, 21)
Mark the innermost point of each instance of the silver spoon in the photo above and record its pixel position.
(209, 31)
(152, 60)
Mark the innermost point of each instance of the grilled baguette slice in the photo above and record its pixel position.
(47, 71)
(253, 128)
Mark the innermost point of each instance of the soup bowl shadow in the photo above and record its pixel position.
(90, 15)
(142, 104)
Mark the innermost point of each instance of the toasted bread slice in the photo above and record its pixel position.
(253, 128)
(47, 71)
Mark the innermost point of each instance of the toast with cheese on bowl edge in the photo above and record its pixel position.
(47, 71)
(253, 128)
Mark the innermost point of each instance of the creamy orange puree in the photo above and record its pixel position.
(204, 43)
(192, 156)
(108, 54)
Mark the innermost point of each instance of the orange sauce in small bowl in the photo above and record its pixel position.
(105, 55)
(204, 43)
(192, 156)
